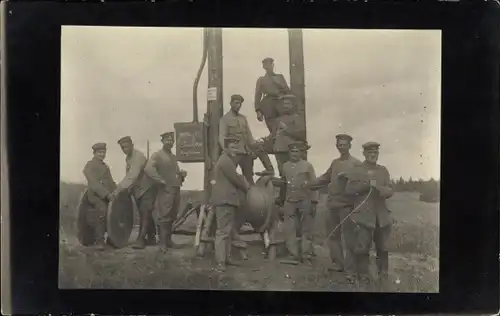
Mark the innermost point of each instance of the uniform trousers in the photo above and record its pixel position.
(167, 203)
(272, 108)
(298, 220)
(96, 217)
(364, 237)
(145, 205)
(245, 162)
(225, 216)
(281, 158)
(340, 235)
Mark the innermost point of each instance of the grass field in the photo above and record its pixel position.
(414, 262)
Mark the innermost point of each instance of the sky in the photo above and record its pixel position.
(376, 85)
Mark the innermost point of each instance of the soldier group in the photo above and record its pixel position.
(153, 182)
(357, 214)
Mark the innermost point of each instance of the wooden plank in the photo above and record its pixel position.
(199, 226)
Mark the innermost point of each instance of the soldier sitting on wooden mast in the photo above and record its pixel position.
(225, 198)
(141, 187)
(268, 93)
(369, 185)
(100, 188)
(297, 209)
(235, 125)
(163, 169)
(290, 129)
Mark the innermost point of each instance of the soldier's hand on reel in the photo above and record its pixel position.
(260, 116)
(342, 175)
(115, 193)
(109, 197)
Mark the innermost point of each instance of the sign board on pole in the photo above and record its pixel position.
(190, 142)
(212, 94)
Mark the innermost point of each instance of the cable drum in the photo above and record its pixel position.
(120, 219)
(258, 204)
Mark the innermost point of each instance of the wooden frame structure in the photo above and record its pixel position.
(215, 108)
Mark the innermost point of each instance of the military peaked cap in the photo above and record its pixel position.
(125, 140)
(371, 146)
(289, 96)
(298, 146)
(99, 146)
(170, 135)
(237, 97)
(344, 136)
(229, 140)
(267, 60)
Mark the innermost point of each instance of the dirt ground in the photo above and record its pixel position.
(414, 261)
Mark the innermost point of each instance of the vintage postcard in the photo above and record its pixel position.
(250, 159)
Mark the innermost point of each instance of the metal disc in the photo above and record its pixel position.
(85, 232)
(120, 220)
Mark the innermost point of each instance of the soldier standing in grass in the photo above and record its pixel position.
(314, 199)
(297, 209)
(141, 187)
(369, 185)
(163, 169)
(99, 191)
(339, 206)
(225, 198)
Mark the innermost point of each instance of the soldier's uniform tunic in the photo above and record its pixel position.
(226, 200)
(234, 125)
(100, 186)
(268, 90)
(297, 208)
(137, 182)
(339, 205)
(372, 217)
(163, 167)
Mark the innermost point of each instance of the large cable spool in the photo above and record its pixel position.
(258, 204)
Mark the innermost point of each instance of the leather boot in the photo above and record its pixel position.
(383, 270)
(363, 272)
(100, 230)
(163, 237)
(141, 239)
(266, 162)
(282, 193)
(169, 243)
(151, 234)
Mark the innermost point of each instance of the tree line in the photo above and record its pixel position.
(428, 189)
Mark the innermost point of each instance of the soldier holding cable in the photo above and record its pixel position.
(369, 185)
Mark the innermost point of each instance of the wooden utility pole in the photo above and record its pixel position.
(297, 80)
(215, 103)
(212, 117)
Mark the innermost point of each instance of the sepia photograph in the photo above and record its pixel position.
(250, 159)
